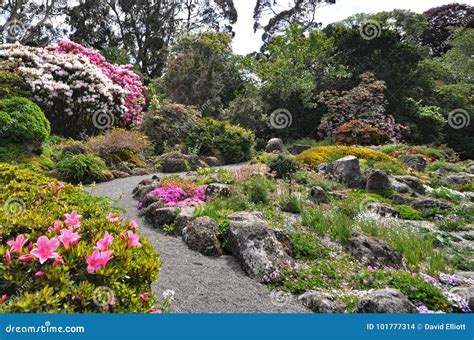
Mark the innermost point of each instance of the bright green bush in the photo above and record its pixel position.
(283, 165)
(307, 246)
(409, 213)
(31, 205)
(216, 138)
(11, 84)
(81, 168)
(22, 122)
(257, 190)
(290, 202)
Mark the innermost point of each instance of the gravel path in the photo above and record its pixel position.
(202, 284)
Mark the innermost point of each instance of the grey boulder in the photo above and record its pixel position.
(255, 245)
(387, 300)
(201, 235)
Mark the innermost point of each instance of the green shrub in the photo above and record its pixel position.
(290, 202)
(11, 85)
(283, 165)
(432, 167)
(334, 223)
(169, 125)
(214, 138)
(32, 287)
(310, 179)
(409, 213)
(81, 168)
(22, 122)
(119, 145)
(447, 194)
(257, 190)
(307, 246)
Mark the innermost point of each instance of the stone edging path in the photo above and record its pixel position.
(202, 284)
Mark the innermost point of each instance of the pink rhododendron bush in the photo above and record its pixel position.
(77, 88)
(64, 251)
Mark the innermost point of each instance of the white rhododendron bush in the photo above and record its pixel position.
(79, 91)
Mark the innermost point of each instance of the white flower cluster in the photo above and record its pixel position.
(64, 83)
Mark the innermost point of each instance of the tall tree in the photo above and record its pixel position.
(300, 12)
(29, 21)
(441, 22)
(202, 71)
(146, 28)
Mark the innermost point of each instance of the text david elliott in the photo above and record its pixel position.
(445, 327)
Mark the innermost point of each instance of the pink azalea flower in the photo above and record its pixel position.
(18, 244)
(8, 257)
(123, 237)
(50, 185)
(133, 239)
(58, 260)
(3, 299)
(97, 260)
(73, 219)
(39, 274)
(112, 218)
(144, 297)
(103, 243)
(57, 225)
(26, 258)
(60, 186)
(155, 311)
(45, 249)
(133, 225)
(68, 237)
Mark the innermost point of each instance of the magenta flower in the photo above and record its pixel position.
(112, 218)
(45, 249)
(58, 260)
(144, 297)
(73, 219)
(68, 237)
(103, 243)
(18, 244)
(3, 299)
(26, 258)
(39, 274)
(98, 260)
(133, 225)
(8, 257)
(155, 311)
(57, 225)
(133, 239)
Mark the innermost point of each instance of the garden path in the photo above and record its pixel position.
(202, 284)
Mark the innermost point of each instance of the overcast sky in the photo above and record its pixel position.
(246, 41)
